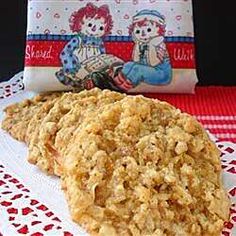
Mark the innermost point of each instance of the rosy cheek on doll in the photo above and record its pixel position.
(93, 27)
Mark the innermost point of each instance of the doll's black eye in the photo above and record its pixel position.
(101, 28)
(149, 30)
(90, 25)
(137, 31)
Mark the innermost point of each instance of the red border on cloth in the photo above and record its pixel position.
(46, 53)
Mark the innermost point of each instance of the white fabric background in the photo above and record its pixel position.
(52, 17)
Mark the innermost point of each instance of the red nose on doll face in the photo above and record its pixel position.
(94, 28)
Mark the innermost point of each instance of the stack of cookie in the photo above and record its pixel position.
(128, 165)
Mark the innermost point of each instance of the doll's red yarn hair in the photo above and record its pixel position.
(91, 11)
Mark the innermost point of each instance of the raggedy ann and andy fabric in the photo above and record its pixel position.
(123, 45)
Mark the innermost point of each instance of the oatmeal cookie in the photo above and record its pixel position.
(57, 127)
(129, 165)
(141, 167)
(19, 115)
(85, 108)
(40, 153)
(33, 130)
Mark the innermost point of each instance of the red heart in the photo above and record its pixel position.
(233, 162)
(33, 202)
(232, 170)
(228, 225)
(229, 150)
(19, 186)
(63, 31)
(126, 16)
(23, 230)
(26, 211)
(37, 234)
(232, 192)
(14, 181)
(42, 208)
(16, 225)
(12, 210)
(56, 219)
(7, 176)
(225, 233)
(56, 15)
(179, 17)
(38, 15)
(6, 192)
(48, 214)
(35, 223)
(48, 227)
(25, 190)
(67, 233)
(6, 203)
(232, 211)
(46, 31)
(17, 196)
(2, 182)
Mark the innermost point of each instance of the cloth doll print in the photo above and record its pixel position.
(85, 52)
(86, 64)
(151, 63)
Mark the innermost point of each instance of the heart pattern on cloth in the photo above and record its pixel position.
(178, 17)
(46, 31)
(38, 15)
(62, 31)
(60, 16)
(57, 15)
(126, 16)
(25, 214)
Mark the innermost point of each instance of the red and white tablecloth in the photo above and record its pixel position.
(32, 203)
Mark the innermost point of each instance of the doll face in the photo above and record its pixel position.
(145, 32)
(93, 27)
